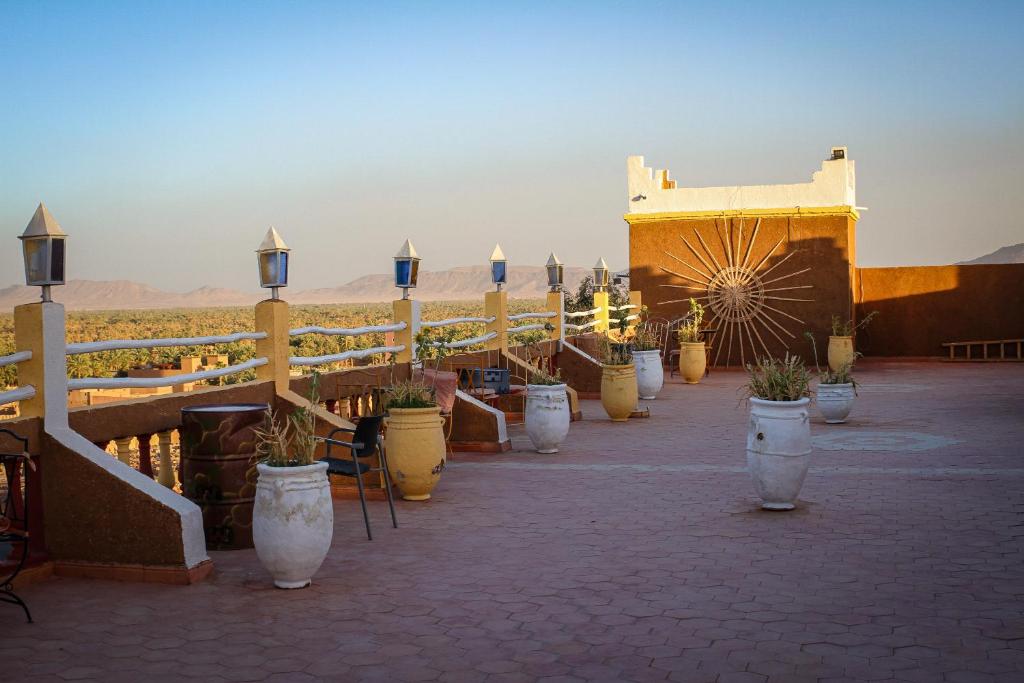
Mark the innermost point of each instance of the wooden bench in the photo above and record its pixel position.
(1014, 345)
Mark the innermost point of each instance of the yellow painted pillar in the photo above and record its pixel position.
(39, 328)
(601, 301)
(496, 306)
(556, 305)
(406, 311)
(272, 318)
(635, 298)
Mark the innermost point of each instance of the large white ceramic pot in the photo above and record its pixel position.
(778, 450)
(415, 449)
(650, 375)
(547, 416)
(292, 522)
(835, 401)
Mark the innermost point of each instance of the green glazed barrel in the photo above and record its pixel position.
(218, 469)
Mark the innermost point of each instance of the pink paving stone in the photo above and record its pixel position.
(638, 552)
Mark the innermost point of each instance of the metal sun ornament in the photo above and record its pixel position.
(737, 292)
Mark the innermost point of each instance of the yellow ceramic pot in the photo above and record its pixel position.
(618, 391)
(840, 352)
(693, 361)
(415, 450)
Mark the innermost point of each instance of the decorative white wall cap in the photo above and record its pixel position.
(652, 191)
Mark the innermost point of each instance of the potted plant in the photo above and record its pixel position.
(618, 380)
(840, 343)
(779, 439)
(547, 410)
(693, 360)
(836, 389)
(650, 373)
(415, 438)
(293, 518)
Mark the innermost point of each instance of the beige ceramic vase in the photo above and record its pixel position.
(415, 450)
(840, 353)
(693, 361)
(618, 391)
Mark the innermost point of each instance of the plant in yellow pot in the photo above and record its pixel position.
(619, 392)
(693, 360)
(415, 439)
(840, 343)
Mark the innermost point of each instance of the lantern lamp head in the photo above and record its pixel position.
(273, 259)
(556, 273)
(600, 275)
(43, 248)
(499, 267)
(407, 268)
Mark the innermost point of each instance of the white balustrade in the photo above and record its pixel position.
(635, 316)
(168, 381)
(348, 331)
(624, 307)
(15, 395)
(347, 355)
(583, 314)
(18, 357)
(583, 326)
(455, 321)
(463, 343)
(117, 344)
(527, 316)
(525, 328)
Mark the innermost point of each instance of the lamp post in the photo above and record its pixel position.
(600, 275)
(556, 273)
(407, 268)
(273, 259)
(42, 245)
(499, 267)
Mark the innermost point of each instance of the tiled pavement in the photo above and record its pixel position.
(637, 553)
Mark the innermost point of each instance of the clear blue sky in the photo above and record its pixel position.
(166, 137)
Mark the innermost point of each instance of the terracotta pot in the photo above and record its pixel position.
(835, 401)
(415, 450)
(650, 373)
(778, 450)
(618, 391)
(693, 361)
(840, 353)
(293, 522)
(547, 416)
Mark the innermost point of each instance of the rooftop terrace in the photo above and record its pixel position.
(639, 552)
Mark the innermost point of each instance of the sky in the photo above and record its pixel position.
(167, 137)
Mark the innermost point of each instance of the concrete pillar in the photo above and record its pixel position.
(406, 311)
(496, 306)
(39, 328)
(601, 301)
(272, 318)
(556, 305)
(635, 298)
(166, 477)
(124, 446)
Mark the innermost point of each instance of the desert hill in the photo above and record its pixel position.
(1013, 253)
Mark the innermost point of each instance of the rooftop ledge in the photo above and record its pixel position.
(654, 192)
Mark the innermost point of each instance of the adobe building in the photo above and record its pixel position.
(770, 262)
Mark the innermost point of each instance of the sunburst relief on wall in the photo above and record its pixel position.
(738, 293)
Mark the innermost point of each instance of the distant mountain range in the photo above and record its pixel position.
(467, 282)
(1011, 254)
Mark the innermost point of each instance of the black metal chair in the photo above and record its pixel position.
(14, 519)
(366, 442)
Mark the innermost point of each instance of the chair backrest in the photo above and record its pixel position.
(367, 430)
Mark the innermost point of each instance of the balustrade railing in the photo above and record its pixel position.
(348, 331)
(345, 355)
(168, 381)
(429, 324)
(463, 343)
(120, 344)
(16, 394)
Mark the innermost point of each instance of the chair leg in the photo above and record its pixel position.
(362, 500)
(9, 597)
(387, 481)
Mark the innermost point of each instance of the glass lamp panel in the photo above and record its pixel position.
(414, 276)
(282, 269)
(35, 261)
(498, 272)
(57, 260)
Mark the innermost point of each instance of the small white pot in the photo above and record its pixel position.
(293, 522)
(778, 450)
(835, 401)
(547, 416)
(650, 374)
